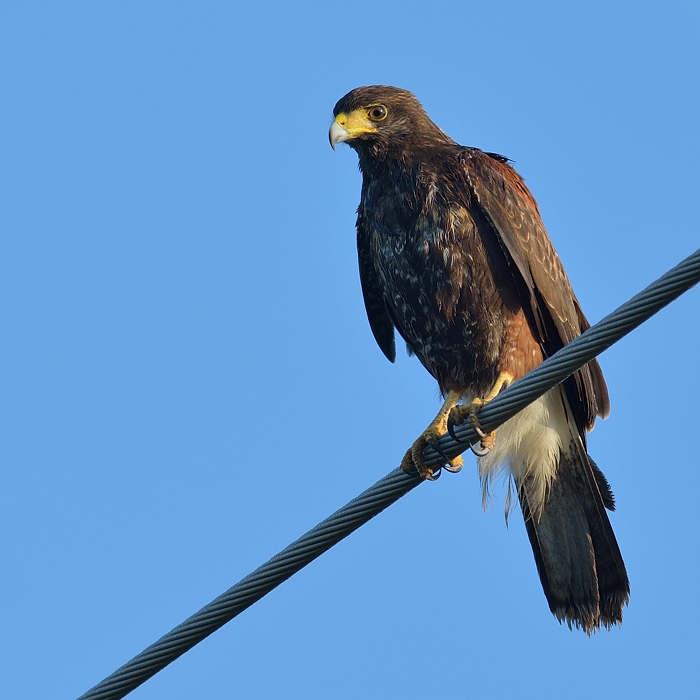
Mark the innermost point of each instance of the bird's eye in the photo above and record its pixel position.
(377, 113)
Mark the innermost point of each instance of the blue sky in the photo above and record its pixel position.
(189, 382)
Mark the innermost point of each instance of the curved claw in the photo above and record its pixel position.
(477, 429)
(479, 451)
(434, 444)
(428, 474)
(456, 417)
(452, 465)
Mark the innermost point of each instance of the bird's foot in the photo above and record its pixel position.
(458, 414)
(413, 459)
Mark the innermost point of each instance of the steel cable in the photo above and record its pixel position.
(564, 363)
(396, 484)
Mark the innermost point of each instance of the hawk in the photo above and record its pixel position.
(454, 256)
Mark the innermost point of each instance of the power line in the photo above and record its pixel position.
(389, 489)
(577, 353)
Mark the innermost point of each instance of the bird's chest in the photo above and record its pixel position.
(414, 236)
(434, 275)
(415, 267)
(426, 253)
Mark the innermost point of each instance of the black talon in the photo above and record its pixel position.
(448, 462)
(434, 444)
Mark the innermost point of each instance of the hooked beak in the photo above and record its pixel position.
(337, 134)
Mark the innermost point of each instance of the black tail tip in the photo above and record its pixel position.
(590, 616)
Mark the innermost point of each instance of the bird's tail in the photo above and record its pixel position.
(577, 555)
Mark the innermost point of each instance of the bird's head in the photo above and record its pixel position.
(381, 121)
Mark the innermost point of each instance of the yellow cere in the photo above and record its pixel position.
(356, 122)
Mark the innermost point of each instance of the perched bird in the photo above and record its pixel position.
(453, 254)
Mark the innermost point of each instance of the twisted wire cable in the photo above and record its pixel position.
(254, 586)
(396, 484)
(573, 356)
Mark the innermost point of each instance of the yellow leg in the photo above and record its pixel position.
(458, 413)
(414, 457)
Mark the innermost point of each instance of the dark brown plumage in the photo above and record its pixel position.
(453, 254)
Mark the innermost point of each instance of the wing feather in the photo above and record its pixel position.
(379, 320)
(512, 212)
